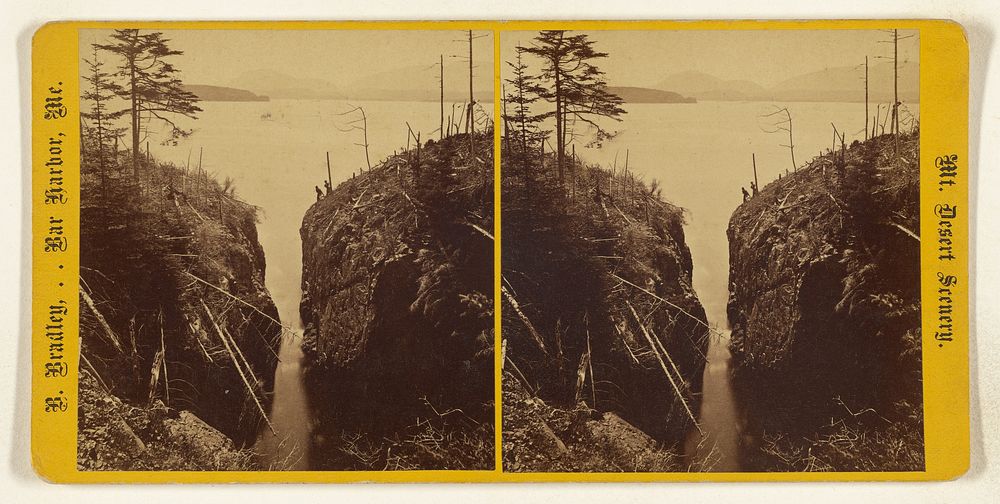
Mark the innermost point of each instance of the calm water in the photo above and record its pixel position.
(701, 154)
(276, 163)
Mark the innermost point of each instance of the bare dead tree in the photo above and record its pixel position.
(416, 139)
(441, 125)
(471, 124)
(866, 98)
(781, 124)
(359, 124)
(470, 109)
(878, 112)
(894, 123)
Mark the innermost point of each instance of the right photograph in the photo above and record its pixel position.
(710, 251)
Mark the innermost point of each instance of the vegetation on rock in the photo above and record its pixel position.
(825, 311)
(599, 311)
(397, 282)
(174, 308)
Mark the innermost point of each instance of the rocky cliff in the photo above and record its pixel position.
(175, 316)
(397, 307)
(825, 310)
(599, 317)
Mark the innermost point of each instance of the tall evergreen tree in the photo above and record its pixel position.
(151, 85)
(99, 91)
(521, 124)
(578, 90)
(525, 91)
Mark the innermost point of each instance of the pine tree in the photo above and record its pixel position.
(525, 92)
(578, 90)
(151, 85)
(99, 91)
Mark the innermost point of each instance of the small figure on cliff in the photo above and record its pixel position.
(319, 193)
(598, 193)
(328, 187)
(753, 187)
(746, 195)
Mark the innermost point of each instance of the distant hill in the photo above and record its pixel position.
(703, 86)
(835, 84)
(279, 85)
(847, 84)
(633, 94)
(415, 83)
(422, 83)
(219, 93)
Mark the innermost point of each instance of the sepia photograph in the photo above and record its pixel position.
(286, 257)
(710, 251)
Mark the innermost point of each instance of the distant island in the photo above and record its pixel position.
(834, 84)
(408, 84)
(221, 93)
(632, 94)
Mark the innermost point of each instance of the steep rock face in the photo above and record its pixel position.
(824, 290)
(594, 278)
(397, 282)
(165, 274)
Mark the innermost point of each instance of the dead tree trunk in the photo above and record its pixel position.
(472, 109)
(441, 125)
(866, 98)
(329, 174)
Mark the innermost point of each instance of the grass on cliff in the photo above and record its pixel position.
(861, 441)
(442, 440)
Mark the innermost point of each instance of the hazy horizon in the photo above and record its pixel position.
(350, 60)
(766, 57)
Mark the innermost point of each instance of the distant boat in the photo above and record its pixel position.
(265, 116)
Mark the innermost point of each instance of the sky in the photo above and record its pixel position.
(642, 58)
(219, 57)
(638, 58)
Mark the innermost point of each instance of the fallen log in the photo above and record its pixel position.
(524, 318)
(678, 308)
(239, 369)
(108, 332)
(663, 366)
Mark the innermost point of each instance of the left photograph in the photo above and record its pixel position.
(286, 257)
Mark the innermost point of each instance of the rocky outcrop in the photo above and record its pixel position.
(175, 314)
(541, 438)
(824, 292)
(117, 436)
(599, 310)
(397, 306)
